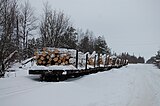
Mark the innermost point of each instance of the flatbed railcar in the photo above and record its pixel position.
(52, 73)
(61, 75)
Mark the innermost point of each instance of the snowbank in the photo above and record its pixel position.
(54, 67)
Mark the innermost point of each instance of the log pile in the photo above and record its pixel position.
(100, 60)
(61, 56)
(91, 58)
(47, 57)
(91, 61)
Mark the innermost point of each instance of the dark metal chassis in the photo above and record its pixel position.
(61, 75)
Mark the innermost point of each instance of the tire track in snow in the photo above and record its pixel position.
(143, 93)
(26, 88)
(132, 90)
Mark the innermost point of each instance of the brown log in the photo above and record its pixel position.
(39, 61)
(49, 52)
(44, 49)
(42, 58)
(48, 57)
(44, 53)
(55, 59)
(49, 62)
(62, 63)
(44, 62)
(37, 56)
(59, 61)
(90, 61)
(110, 61)
(63, 59)
(56, 51)
(36, 53)
(67, 57)
(66, 62)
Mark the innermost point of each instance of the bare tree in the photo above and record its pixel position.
(8, 11)
(27, 25)
(53, 25)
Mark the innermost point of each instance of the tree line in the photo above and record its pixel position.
(18, 25)
(155, 59)
(132, 58)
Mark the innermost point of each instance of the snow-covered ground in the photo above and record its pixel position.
(132, 85)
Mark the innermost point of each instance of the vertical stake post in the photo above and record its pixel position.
(98, 60)
(95, 61)
(86, 61)
(76, 58)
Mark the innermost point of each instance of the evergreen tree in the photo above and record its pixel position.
(84, 44)
(101, 45)
(68, 39)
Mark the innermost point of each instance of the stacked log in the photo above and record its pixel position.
(48, 57)
(61, 56)
(110, 61)
(91, 61)
(107, 60)
(100, 60)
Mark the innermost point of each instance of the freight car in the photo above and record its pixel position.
(57, 64)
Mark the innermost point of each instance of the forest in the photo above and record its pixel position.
(21, 32)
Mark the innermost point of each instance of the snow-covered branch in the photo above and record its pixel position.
(9, 57)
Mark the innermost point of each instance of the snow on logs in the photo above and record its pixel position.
(61, 56)
(52, 57)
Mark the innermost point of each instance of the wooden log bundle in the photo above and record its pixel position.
(48, 57)
(61, 56)
(91, 61)
(100, 61)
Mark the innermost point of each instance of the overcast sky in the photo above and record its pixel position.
(128, 25)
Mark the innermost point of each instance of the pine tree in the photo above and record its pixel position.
(101, 45)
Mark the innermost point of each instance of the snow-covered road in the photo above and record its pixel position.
(133, 85)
